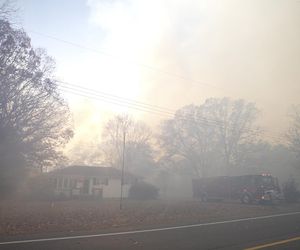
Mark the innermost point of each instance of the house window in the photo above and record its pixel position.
(96, 181)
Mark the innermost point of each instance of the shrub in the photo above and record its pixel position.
(143, 191)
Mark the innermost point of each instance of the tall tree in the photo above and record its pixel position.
(35, 121)
(210, 134)
(189, 139)
(138, 149)
(236, 125)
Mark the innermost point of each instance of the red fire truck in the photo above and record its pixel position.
(263, 188)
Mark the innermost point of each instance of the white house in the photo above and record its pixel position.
(91, 181)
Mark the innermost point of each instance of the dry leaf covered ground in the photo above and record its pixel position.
(36, 217)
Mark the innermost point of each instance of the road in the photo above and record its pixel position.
(272, 232)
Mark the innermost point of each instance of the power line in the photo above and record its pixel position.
(75, 92)
(104, 94)
(149, 67)
(132, 104)
(127, 102)
(120, 101)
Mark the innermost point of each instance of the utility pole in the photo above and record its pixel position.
(123, 166)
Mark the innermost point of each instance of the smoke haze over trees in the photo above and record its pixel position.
(217, 137)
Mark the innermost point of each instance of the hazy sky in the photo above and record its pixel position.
(240, 49)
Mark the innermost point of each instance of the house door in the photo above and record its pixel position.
(86, 185)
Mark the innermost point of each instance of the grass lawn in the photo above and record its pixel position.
(36, 217)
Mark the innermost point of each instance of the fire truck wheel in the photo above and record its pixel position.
(246, 199)
(269, 200)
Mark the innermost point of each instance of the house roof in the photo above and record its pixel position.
(93, 171)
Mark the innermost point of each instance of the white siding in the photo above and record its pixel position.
(90, 186)
(113, 189)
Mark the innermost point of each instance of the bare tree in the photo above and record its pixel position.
(235, 120)
(35, 121)
(138, 150)
(210, 134)
(189, 138)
